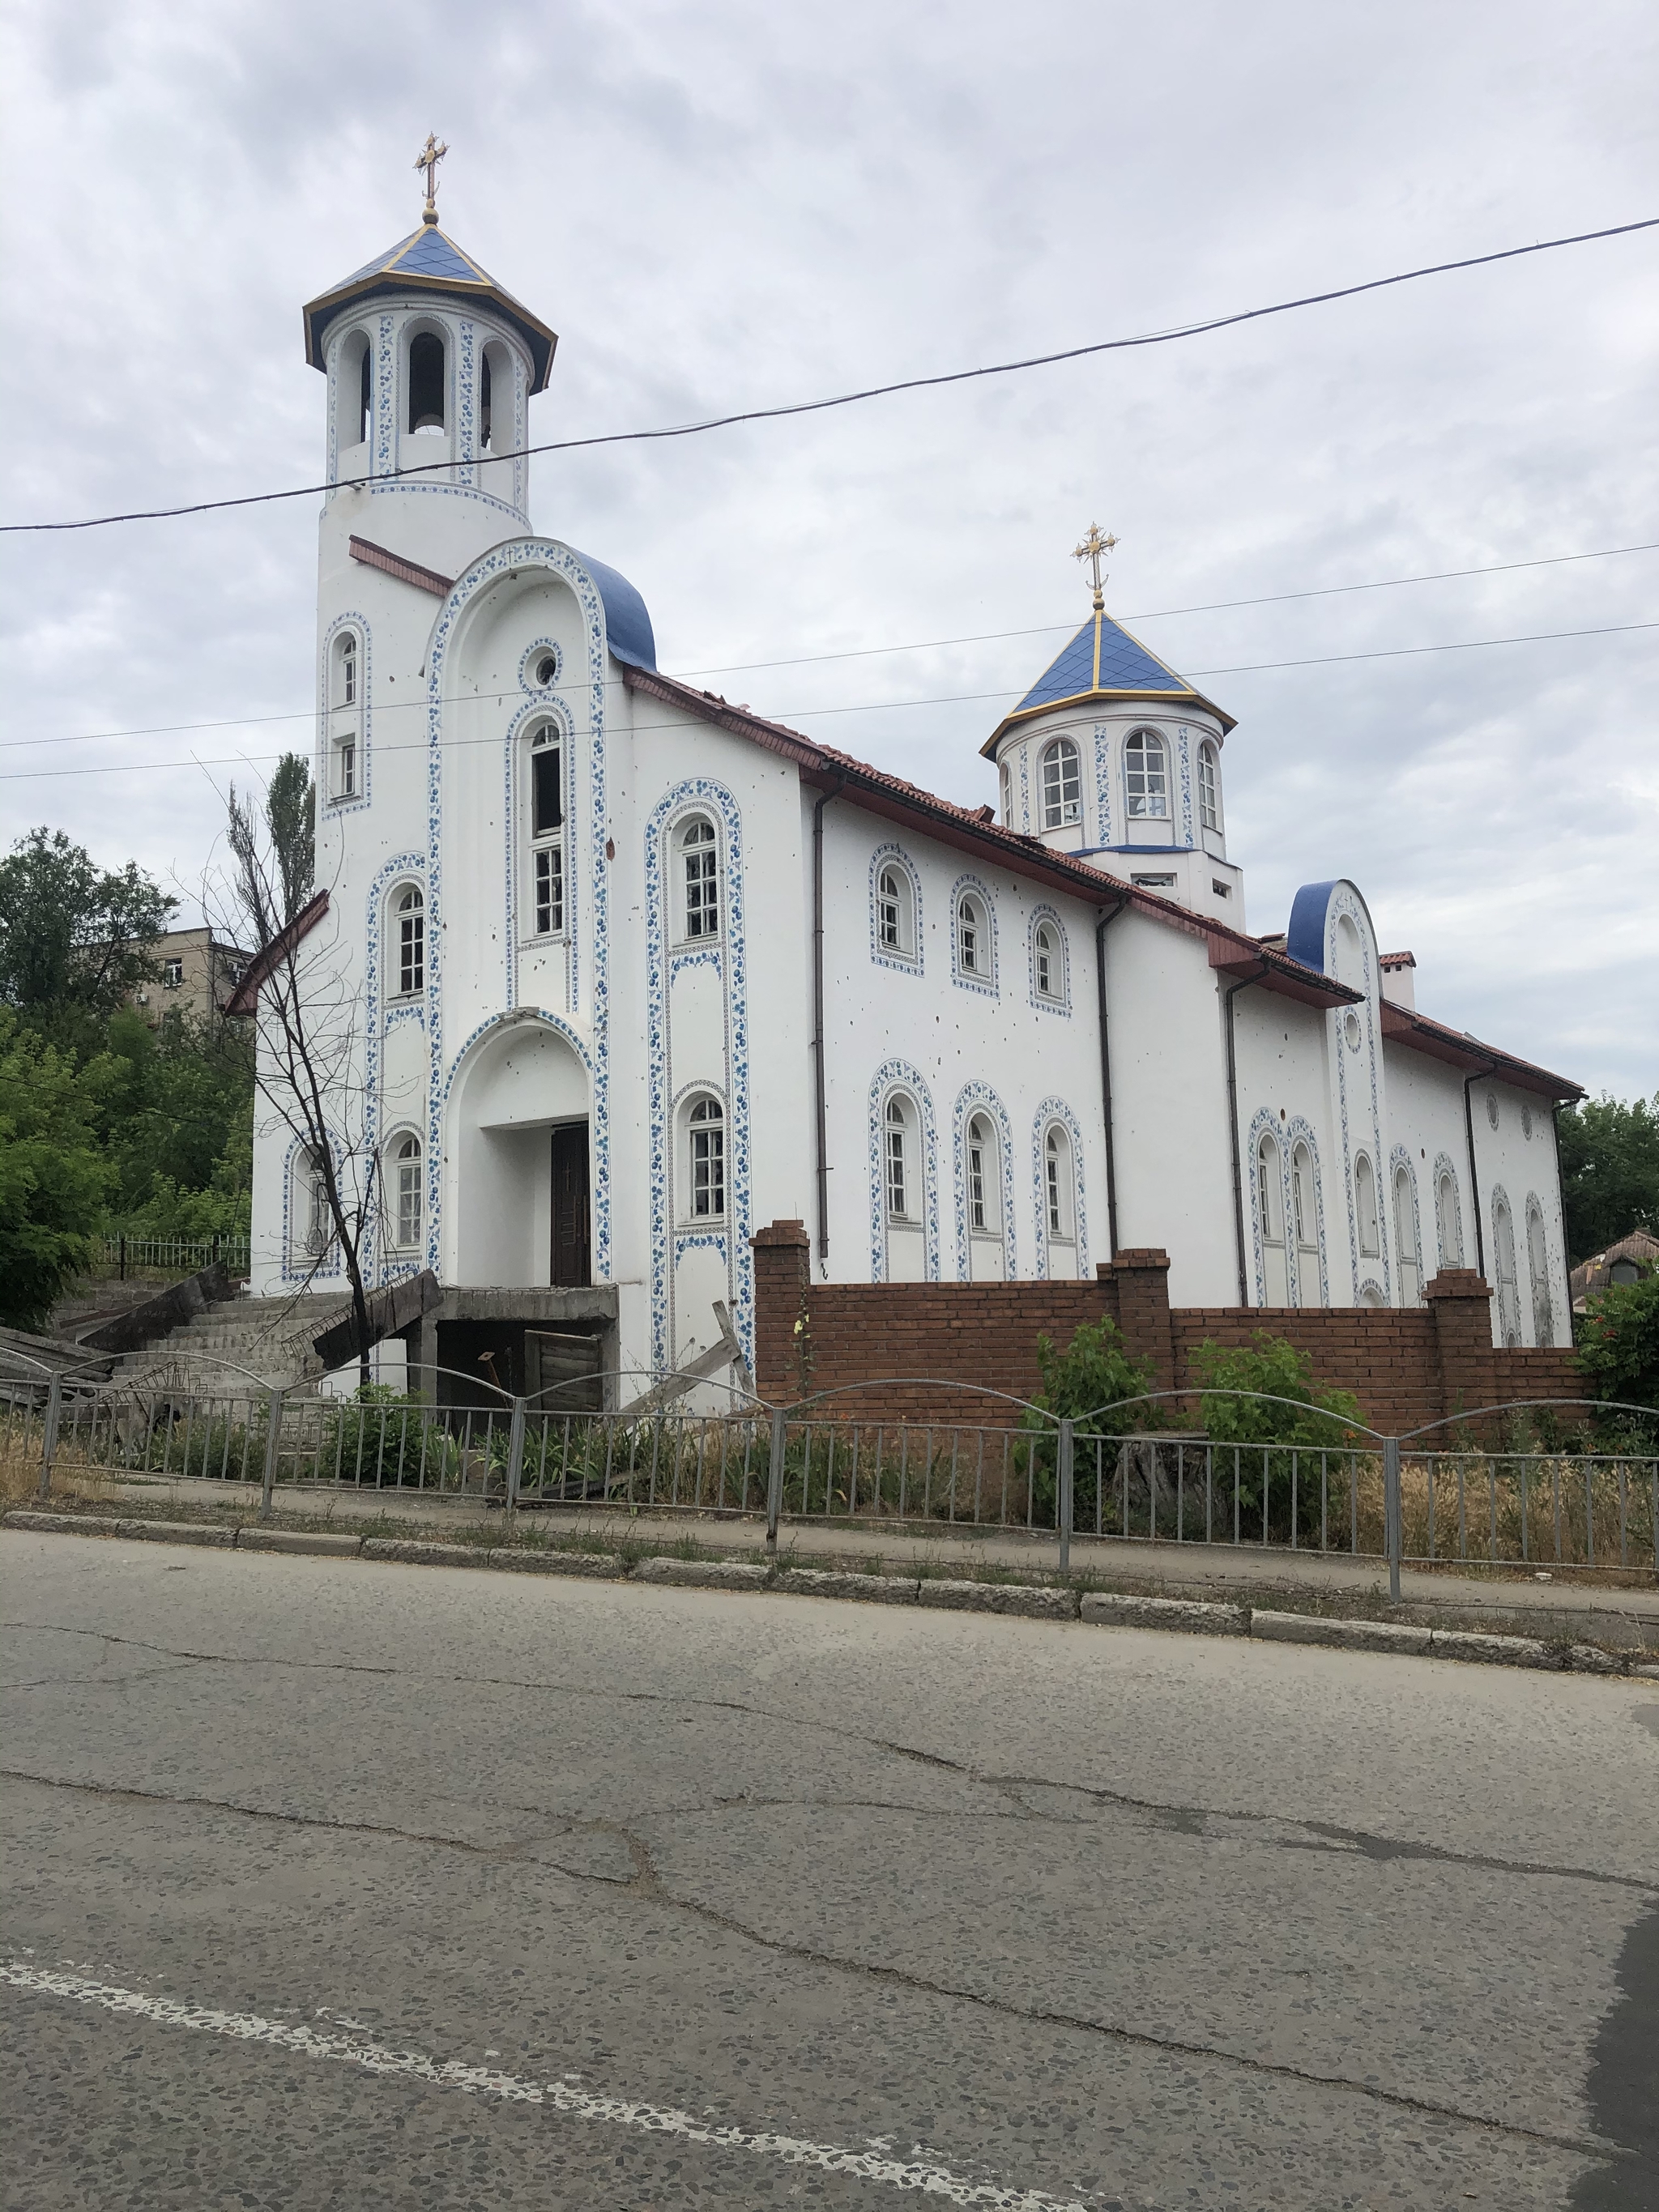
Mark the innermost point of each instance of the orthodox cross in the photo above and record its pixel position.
(429, 158)
(1091, 550)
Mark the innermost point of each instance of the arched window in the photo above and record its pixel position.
(345, 685)
(1508, 1296)
(700, 865)
(426, 380)
(705, 1124)
(1062, 786)
(1538, 1266)
(973, 941)
(984, 1212)
(546, 771)
(1146, 776)
(1209, 788)
(898, 1148)
(1270, 1206)
(1059, 1186)
(1304, 1201)
(408, 1192)
(1006, 779)
(1405, 1237)
(896, 911)
(1448, 1221)
(313, 1231)
(1048, 962)
(1365, 1192)
(354, 393)
(409, 914)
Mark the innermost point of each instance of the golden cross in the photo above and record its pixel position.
(428, 159)
(1091, 550)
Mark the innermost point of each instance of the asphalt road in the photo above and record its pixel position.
(331, 1883)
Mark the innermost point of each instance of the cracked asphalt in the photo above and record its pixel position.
(1058, 1915)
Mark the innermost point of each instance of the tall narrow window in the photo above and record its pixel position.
(1508, 1296)
(1538, 1266)
(699, 856)
(426, 382)
(365, 396)
(406, 1195)
(1006, 779)
(896, 1161)
(1146, 776)
(895, 912)
(708, 1131)
(547, 831)
(317, 1222)
(1405, 1236)
(981, 1168)
(1048, 962)
(345, 686)
(1270, 1207)
(1365, 1192)
(1304, 1199)
(347, 668)
(1209, 789)
(409, 911)
(486, 408)
(972, 943)
(1058, 1197)
(1062, 788)
(1449, 1228)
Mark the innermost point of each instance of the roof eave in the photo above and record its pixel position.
(327, 309)
(1187, 698)
(1469, 1056)
(245, 999)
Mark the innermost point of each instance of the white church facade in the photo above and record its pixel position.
(627, 972)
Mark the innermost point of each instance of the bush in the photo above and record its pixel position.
(1093, 1380)
(380, 1435)
(1314, 1418)
(1619, 1346)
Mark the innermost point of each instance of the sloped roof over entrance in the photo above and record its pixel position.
(427, 261)
(1104, 661)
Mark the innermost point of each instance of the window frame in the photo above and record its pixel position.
(546, 864)
(1060, 812)
(1368, 1220)
(407, 949)
(1056, 998)
(1209, 787)
(901, 1118)
(903, 948)
(698, 894)
(345, 690)
(969, 891)
(1059, 1186)
(708, 1192)
(407, 1197)
(1149, 744)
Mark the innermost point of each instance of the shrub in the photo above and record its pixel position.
(1619, 1347)
(378, 1435)
(1314, 1418)
(1094, 1380)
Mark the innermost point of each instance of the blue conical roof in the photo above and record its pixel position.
(1102, 661)
(427, 261)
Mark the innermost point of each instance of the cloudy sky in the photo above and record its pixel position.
(736, 205)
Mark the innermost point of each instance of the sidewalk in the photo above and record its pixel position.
(1565, 1603)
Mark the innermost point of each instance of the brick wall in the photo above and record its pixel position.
(1404, 1368)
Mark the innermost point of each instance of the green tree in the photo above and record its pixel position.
(74, 939)
(53, 1178)
(1095, 1381)
(1286, 1409)
(1618, 1343)
(1609, 1171)
(177, 1121)
(291, 813)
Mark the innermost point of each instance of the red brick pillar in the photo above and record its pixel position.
(1141, 1278)
(1460, 1302)
(782, 1274)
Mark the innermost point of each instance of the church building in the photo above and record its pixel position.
(619, 973)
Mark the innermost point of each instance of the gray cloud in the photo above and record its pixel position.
(731, 205)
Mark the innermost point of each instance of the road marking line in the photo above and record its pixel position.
(562, 2096)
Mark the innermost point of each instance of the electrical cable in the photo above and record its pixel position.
(862, 706)
(868, 652)
(871, 391)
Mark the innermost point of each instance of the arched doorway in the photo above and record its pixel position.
(521, 1148)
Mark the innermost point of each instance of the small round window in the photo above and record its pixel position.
(1350, 1030)
(541, 666)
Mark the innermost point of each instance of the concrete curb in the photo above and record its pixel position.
(1191, 1616)
(867, 1589)
(1032, 1604)
(1097, 1609)
(702, 1574)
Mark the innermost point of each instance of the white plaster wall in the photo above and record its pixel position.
(1281, 1048)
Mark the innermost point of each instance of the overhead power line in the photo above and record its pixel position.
(860, 707)
(868, 652)
(874, 391)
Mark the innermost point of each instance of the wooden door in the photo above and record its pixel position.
(572, 1255)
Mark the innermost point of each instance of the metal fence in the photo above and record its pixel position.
(1384, 1498)
(136, 1258)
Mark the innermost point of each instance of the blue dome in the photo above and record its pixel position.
(427, 261)
(627, 622)
(1102, 661)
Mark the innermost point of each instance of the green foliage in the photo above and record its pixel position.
(1094, 1382)
(53, 1178)
(74, 940)
(383, 1436)
(1314, 1419)
(1609, 1171)
(291, 814)
(178, 1124)
(1618, 1343)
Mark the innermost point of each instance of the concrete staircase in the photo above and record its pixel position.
(269, 1338)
